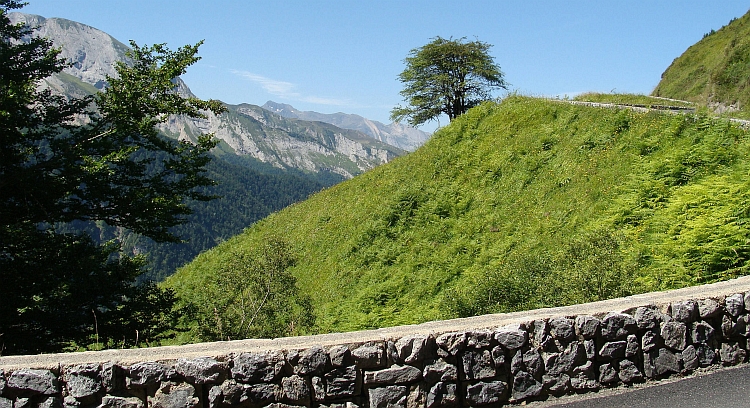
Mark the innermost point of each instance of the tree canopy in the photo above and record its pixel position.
(96, 158)
(446, 77)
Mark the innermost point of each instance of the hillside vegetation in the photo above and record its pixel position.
(514, 205)
(715, 71)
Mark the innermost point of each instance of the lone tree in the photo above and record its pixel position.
(446, 77)
(97, 158)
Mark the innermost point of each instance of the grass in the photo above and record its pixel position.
(520, 204)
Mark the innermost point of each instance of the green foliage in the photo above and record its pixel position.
(714, 71)
(96, 158)
(515, 205)
(254, 296)
(446, 77)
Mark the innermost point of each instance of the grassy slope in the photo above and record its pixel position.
(714, 70)
(504, 209)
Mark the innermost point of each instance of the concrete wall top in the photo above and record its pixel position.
(716, 291)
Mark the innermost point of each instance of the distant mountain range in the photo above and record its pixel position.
(282, 139)
(264, 162)
(395, 134)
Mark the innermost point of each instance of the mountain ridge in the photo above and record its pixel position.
(302, 145)
(395, 134)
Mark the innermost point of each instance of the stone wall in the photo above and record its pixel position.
(550, 353)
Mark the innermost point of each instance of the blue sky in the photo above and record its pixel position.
(345, 55)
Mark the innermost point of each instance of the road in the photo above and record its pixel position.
(726, 388)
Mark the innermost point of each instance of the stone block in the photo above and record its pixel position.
(261, 367)
(341, 382)
(511, 339)
(370, 355)
(442, 394)
(485, 393)
(393, 375)
(685, 312)
(174, 395)
(83, 381)
(732, 354)
(311, 361)
(613, 350)
(148, 374)
(451, 343)
(392, 396)
(525, 386)
(202, 370)
(477, 364)
(708, 308)
(628, 372)
(412, 349)
(340, 356)
(296, 390)
(27, 382)
(735, 304)
(562, 329)
(440, 371)
(617, 326)
(674, 334)
(587, 326)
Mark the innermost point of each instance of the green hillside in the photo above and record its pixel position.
(515, 205)
(715, 71)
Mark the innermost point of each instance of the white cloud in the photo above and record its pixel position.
(286, 90)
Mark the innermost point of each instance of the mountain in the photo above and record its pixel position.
(714, 71)
(264, 162)
(395, 134)
(520, 204)
(247, 130)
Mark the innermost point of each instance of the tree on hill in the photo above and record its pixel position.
(97, 158)
(446, 77)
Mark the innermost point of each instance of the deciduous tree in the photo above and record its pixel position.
(446, 77)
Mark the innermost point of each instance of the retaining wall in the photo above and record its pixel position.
(487, 360)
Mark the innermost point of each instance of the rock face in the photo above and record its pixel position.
(395, 134)
(486, 367)
(248, 130)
